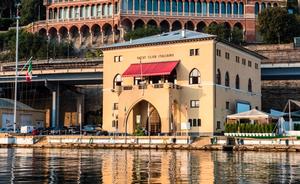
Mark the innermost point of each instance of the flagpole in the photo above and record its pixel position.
(16, 77)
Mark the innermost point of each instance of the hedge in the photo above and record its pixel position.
(250, 128)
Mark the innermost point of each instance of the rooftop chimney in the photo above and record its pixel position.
(183, 33)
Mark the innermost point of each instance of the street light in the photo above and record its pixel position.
(125, 121)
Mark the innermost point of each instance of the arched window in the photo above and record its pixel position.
(186, 7)
(174, 6)
(229, 8)
(199, 7)
(256, 8)
(223, 8)
(263, 6)
(204, 8)
(211, 8)
(162, 6)
(136, 5)
(192, 7)
(194, 77)
(235, 8)
(227, 81)
(249, 85)
(117, 81)
(149, 6)
(168, 5)
(237, 82)
(217, 7)
(218, 77)
(180, 6)
(241, 8)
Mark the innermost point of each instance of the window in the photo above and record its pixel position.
(195, 122)
(218, 125)
(218, 79)
(115, 106)
(249, 63)
(227, 55)
(227, 105)
(237, 59)
(227, 81)
(194, 103)
(191, 122)
(115, 123)
(249, 85)
(117, 81)
(199, 122)
(118, 59)
(194, 77)
(237, 82)
(194, 52)
(219, 52)
(256, 66)
(244, 61)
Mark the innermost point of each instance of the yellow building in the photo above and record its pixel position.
(174, 78)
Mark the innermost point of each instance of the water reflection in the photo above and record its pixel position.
(146, 166)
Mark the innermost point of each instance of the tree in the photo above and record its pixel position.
(31, 10)
(224, 33)
(220, 30)
(142, 32)
(277, 26)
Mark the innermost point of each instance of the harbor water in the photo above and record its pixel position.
(24, 165)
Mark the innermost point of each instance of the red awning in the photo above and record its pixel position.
(150, 69)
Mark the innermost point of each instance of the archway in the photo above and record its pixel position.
(152, 23)
(63, 32)
(176, 25)
(139, 24)
(107, 33)
(201, 26)
(43, 32)
(190, 25)
(138, 116)
(53, 33)
(164, 26)
(127, 25)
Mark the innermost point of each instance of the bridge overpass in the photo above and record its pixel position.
(52, 78)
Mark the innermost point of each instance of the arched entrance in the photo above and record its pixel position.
(144, 116)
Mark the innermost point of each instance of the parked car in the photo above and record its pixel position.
(74, 130)
(102, 132)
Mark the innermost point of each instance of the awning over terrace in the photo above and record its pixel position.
(150, 69)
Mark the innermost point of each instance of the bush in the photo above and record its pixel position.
(5, 23)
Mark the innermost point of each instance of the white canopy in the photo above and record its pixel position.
(252, 115)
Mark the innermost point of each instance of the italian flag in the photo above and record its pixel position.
(29, 72)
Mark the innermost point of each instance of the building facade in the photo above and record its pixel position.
(160, 83)
(98, 22)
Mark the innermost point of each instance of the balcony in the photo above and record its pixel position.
(150, 86)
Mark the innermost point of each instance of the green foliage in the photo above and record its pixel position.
(250, 128)
(139, 131)
(5, 23)
(32, 45)
(224, 33)
(31, 10)
(142, 32)
(93, 53)
(296, 126)
(220, 30)
(277, 26)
